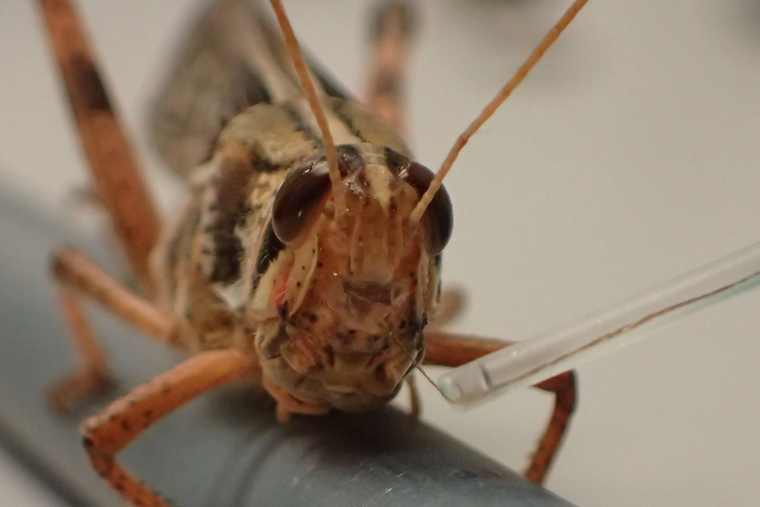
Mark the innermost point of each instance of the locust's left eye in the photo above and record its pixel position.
(438, 219)
(299, 199)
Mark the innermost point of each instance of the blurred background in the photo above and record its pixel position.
(631, 154)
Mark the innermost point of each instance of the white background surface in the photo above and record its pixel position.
(630, 155)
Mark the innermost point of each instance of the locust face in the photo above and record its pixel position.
(358, 288)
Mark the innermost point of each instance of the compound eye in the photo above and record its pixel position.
(299, 200)
(438, 219)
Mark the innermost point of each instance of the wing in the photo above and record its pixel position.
(234, 58)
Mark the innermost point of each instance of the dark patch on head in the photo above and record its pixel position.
(351, 162)
(438, 219)
(232, 191)
(270, 247)
(349, 159)
(396, 162)
(88, 84)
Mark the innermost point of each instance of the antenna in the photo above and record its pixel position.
(418, 367)
(315, 104)
(492, 106)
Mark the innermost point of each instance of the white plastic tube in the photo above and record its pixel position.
(545, 355)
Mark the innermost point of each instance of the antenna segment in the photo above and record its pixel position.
(316, 106)
(492, 106)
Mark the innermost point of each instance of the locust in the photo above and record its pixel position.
(306, 259)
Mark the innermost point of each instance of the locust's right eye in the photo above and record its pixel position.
(299, 199)
(438, 219)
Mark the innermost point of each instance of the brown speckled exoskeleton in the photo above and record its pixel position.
(307, 257)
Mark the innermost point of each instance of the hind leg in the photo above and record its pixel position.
(114, 168)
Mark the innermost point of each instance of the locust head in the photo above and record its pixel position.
(353, 289)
